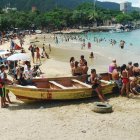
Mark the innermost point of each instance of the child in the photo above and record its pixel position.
(96, 84)
(134, 87)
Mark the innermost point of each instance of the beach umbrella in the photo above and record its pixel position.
(19, 56)
(3, 52)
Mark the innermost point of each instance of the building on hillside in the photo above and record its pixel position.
(34, 8)
(8, 9)
(126, 7)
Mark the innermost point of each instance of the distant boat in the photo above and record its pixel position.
(38, 31)
(116, 31)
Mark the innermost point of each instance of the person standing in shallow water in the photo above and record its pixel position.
(122, 42)
(91, 55)
(76, 70)
(82, 60)
(44, 53)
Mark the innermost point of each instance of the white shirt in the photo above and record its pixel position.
(28, 74)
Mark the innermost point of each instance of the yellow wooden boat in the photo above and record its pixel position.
(62, 88)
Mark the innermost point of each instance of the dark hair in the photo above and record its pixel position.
(123, 67)
(82, 56)
(1, 67)
(22, 69)
(71, 59)
(93, 70)
(76, 63)
(130, 63)
(91, 53)
(136, 64)
(118, 68)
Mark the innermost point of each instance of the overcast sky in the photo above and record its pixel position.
(134, 2)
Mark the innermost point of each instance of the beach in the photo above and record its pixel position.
(66, 120)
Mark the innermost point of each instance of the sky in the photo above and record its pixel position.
(135, 3)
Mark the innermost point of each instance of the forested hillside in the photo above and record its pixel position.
(44, 5)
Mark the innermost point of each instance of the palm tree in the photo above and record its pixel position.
(93, 16)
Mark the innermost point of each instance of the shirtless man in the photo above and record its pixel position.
(82, 61)
(116, 77)
(136, 69)
(85, 72)
(76, 70)
(96, 85)
(130, 69)
(85, 68)
(122, 42)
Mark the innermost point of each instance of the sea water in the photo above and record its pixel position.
(130, 52)
(104, 51)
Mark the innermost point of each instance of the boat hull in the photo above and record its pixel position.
(44, 94)
(45, 91)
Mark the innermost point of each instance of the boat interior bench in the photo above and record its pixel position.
(55, 84)
(81, 83)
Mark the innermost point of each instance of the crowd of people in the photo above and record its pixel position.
(35, 53)
(80, 68)
(21, 73)
(126, 77)
(87, 41)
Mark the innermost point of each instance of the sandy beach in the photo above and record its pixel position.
(69, 120)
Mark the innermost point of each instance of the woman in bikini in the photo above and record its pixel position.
(125, 80)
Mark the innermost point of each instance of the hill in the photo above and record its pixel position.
(44, 5)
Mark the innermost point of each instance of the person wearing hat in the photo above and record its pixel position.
(76, 70)
(112, 66)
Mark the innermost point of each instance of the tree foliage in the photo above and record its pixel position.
(84, 15)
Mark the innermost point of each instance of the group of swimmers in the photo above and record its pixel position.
(84, 38)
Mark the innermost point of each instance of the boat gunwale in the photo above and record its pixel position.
(45, 89)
